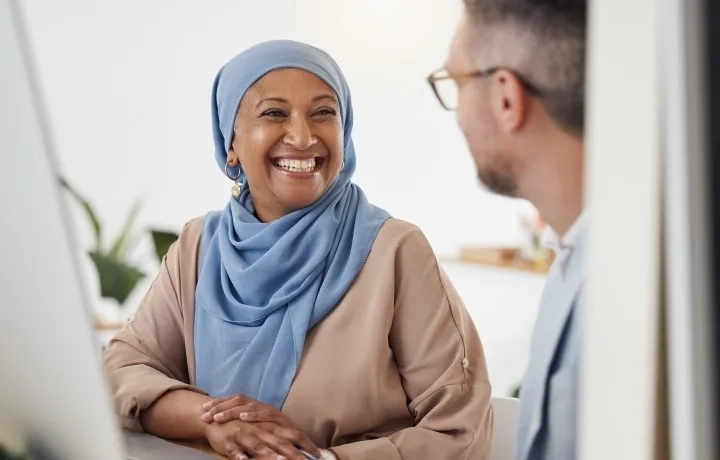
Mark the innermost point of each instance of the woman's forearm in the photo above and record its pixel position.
(176, 415)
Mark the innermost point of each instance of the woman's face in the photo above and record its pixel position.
(288, 140)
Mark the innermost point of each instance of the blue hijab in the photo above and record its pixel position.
(263, 286)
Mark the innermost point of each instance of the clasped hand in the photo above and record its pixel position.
(240, 427)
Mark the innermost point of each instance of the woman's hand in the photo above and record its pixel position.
(243, 408)
(240, 440)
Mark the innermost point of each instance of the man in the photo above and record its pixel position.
(516, 75)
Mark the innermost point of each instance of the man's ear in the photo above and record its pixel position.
(509, 100)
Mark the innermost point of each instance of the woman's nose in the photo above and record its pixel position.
(299, 134)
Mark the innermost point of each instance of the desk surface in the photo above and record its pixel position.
(201, 446)
(141, 446)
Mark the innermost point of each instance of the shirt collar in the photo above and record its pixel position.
(568, 241)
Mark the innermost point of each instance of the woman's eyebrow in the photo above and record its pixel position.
(270, 99)
(325, 96)
(320, 97)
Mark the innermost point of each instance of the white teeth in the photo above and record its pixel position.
(297, 165)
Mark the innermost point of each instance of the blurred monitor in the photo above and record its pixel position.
(53, 395)
(54, 400)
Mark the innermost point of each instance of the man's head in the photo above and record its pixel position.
(521, 67)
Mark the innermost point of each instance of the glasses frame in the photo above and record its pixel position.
(443, 74)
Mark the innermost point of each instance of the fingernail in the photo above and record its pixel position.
(240, 457)
(280, 457)
(219, 417)
(244, 416)
(208, 404)
(207, 416)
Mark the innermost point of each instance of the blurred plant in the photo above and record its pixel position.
(6, 454)
(118, 277)
(162, 239)
(533, 248)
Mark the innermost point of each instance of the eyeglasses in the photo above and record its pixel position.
(444, 84)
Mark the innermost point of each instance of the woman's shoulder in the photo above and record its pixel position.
(397, 235)
(190, 236)
(398, 229)
(191, 231)
(194, 228)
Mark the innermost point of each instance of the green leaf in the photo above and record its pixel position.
(117, 279)
(85, 204)
(6, 454)
(118, 248)
(516, 392)
(162, 241)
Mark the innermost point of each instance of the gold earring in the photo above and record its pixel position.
(237, 186)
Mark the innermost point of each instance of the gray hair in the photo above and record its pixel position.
(544, 42)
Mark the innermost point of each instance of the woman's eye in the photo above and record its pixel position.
(273, 113)
(325, 111)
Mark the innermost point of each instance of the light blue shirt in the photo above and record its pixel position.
(549, 397)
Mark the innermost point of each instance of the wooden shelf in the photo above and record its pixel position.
(107, 326)
(501, 257)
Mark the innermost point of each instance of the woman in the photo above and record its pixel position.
(300, 321)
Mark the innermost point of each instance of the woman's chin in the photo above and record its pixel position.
(293, 201)
(294, 194)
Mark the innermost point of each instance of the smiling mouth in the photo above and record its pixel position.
(290, 165)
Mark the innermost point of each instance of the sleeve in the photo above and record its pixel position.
(442, 365)
(148, 358)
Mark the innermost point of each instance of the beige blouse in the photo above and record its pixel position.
(395, 371)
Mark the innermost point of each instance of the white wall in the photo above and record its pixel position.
(128, 90)
(127, 85)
